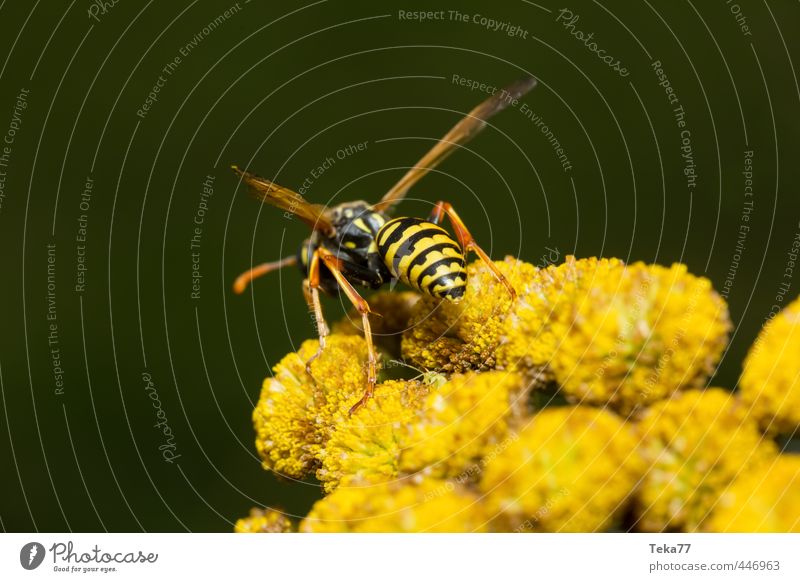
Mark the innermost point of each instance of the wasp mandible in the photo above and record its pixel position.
(356, 243)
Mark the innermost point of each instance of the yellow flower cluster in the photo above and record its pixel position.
(571, 469)
(406, 505)
(638, 335)
(762, 501)
(771, 378)
(529, 338)
(264, 521)
(298, 411)
(461, 437)
(695, 445)
(303, 426)
(407, 428)
(460, 422)
(455, 337)
(366, 445)
(617, 334)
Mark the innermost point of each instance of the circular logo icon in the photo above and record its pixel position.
(31, 555)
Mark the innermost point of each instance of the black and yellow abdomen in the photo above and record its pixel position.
(424, 256)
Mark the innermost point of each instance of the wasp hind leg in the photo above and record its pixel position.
(362, 306)
(467, 242)
(311, 293)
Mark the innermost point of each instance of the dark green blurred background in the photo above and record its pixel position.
(281, 87)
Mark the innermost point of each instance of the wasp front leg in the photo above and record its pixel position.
(332, 262)
(311, 293)
(467, 242)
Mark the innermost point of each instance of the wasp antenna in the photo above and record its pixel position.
(243, 280)
(521, 86)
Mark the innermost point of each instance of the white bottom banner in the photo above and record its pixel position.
(390, 557)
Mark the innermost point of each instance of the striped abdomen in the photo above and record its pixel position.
(424, 256)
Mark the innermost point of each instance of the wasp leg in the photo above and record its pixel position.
(362, 306)
(243, 280)
(467, 242)
(311, 292)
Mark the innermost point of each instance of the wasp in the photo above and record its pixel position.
(358, 244)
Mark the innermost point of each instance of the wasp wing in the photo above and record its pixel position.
(461, 133)
(314, 215)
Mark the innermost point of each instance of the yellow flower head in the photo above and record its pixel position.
(460, 423)
(456, 337)
(549, 295)
(264, 521)
(771, 378)
(397, 506)
(761, 501)
(622, 335)
(296, 413)
(694, 446)
(365, 446)
(571, 470)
